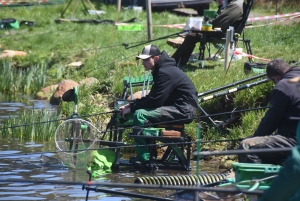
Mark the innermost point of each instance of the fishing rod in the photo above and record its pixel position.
(130, 185)
(119, 145)
(56, 120)
(154, 124)
(136, 195)
(126, 45)
(231, 84)
(250, 151)
(88, 188)
(233, 90)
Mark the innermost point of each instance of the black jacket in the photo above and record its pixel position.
(172, 87)
(284, 103)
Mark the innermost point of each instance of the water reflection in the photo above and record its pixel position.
(18, 161)
(11, 109)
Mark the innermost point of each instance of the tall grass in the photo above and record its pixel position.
(24, 80)
(34, 125)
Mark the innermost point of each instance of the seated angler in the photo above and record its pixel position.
(276, 129)
(231, 15)
(172, 97)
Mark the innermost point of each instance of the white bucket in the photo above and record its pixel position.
(138, 9)
(237, 54)
(193, 23)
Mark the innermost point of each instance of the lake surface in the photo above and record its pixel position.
(22, 160)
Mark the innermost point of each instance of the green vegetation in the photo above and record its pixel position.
(50, 46)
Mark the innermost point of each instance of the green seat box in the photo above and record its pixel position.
(251, 171)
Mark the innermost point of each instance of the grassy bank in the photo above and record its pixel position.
(51, 46)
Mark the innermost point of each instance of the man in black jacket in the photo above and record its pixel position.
(284, 103)
(231, 15)
(172, 97)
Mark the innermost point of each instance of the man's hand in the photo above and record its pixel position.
(124, 110)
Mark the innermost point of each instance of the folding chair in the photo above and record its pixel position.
(219, 37)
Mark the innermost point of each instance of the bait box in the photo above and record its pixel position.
(250, 171)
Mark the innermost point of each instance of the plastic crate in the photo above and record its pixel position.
(250, 171)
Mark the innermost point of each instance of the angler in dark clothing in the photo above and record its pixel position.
(284, 103)
(231, 15)
(172, 97)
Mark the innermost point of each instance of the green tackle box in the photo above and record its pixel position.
(152, 131)
(251, 171)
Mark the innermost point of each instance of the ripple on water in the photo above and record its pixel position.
(43, 176)
(20, 184)
(21, 170)
(21, 198)
(114, 198)
(18, 193)
(33, 145)
(8, 152)
(58, 171)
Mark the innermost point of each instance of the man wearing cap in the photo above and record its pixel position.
(230, 15)
(173, 97)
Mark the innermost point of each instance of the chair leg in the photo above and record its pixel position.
(201, 55)
(248, 49)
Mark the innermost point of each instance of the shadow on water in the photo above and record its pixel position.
(23, 161)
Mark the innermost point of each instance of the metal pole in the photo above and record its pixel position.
(227, 49)
(119, 5)
(149, 19)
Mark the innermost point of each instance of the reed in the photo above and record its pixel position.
(32, 126)
(19, 80)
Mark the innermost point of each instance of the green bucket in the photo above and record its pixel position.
(210, 13)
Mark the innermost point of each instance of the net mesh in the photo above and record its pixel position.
(75, 141)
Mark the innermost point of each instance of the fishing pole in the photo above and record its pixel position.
(231, 84)
(250, 151)
(126, 45)
(136, 195)
(213, 122)
(118, 145)
(56, 120)
(130, 185)
(88, 188)
(233, 90)
(153, 124)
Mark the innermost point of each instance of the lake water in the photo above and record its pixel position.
(22, 160)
